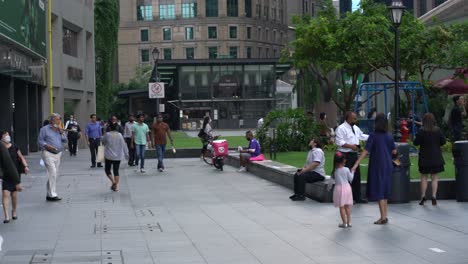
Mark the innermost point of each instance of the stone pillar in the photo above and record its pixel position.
(34, 116)
(21, 117)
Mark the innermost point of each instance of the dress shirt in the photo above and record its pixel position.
(128, 129)
(49, 136)
(345, 135)
(93, 130)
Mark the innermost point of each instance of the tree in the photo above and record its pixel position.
(106, 26)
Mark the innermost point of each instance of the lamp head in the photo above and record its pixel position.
(155, 54)
(396, 10)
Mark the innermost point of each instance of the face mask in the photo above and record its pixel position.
(56, 125)
(7, 139)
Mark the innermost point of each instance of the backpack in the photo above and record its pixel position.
(202, 133)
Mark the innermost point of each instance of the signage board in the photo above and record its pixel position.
(156, 90)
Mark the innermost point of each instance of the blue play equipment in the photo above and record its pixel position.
(371, 89)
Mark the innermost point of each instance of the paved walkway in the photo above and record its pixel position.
(193, 214)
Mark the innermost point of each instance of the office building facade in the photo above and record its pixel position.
(216, 57)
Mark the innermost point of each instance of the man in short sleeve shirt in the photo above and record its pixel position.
(253, 150)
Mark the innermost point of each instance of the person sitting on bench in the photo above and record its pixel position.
(252, 151)
(313, 170)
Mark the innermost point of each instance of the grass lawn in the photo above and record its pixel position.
(297, 159)
(181, 140)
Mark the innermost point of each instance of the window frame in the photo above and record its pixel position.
(164, 33)
(216, 32)
(230, 32)
(186, 33)
(164, 53)
(232, 8)
(147, 34)
(141, 55)
(193, 53)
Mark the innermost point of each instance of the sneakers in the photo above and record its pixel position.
(161, 169)
(343, 225)
(142, 171)
(242, 169)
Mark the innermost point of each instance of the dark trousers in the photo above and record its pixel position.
(131, 151)
(456, 133)
(115, 164)
(72, 143)
(301, 179)
(93, 147)
(351, 158)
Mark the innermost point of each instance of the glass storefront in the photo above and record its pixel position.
(235, 96)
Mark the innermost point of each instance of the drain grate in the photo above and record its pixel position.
(106, 229)
(145, 213)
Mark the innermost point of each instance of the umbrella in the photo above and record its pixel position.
(455, 84)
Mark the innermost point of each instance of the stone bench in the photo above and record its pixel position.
(284, 175)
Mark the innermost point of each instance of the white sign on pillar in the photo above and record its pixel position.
(156, 90)
(162, 108)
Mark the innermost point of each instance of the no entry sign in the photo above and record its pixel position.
(156, 90)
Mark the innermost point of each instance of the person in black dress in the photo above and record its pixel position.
(431, 161)
(11, 178)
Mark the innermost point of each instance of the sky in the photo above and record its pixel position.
(355, 4)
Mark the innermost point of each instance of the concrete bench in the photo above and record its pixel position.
(284, 175)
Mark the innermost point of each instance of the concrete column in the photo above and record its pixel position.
(33, 116)
(201, 8)
(241, 8)
(21, 117)
(6, 101)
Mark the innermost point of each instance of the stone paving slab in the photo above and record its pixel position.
(194, 214)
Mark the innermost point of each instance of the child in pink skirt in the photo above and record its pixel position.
(342, 194)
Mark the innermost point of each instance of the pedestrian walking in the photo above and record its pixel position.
(381, 149)
(93, 138)
(8, 186)
(114, 120)
(73, 134)
(206, 135)
(116, 150)
(430, 161)
(342, 193)
(128, 139)
(347, 139)
(456, 117)
(159, 130)
(313, 170)
(140, 138)
(51, 139)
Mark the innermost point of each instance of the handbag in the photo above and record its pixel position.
(202, 133)
(100, 154)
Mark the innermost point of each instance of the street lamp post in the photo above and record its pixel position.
(396, 10)
(155, 74)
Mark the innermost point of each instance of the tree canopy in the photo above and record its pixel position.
(363, 42)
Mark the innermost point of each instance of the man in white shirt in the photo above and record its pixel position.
(128, 139)
(347, 139)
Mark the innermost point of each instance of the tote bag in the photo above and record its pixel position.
(100, 154)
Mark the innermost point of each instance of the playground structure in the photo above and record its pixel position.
(373, 89)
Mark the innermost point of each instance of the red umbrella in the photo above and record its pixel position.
(455, 84)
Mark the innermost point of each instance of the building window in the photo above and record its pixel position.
(267, 36)
(144, 35)
(233, 32)
(233, 52)
(212, 52)
(211, 8)
(274, 36)
(281, 15)
(259, 52)
(258, 10)
(232, 8)
(189, 8)
(266, 11)
(248, 52)
(249, 33)
(144, 10)
(274, 53)
(439, 2)
(190, 53)
(267, 52)
(273, 13)
(189, 33)
(166, 9)
(167, 54)
(248, 8)
(70, 42)
(167, 35)
(259, 34)
(281, 38)
(212, 32)
(312, 9)
(422, 8)
(144, 55)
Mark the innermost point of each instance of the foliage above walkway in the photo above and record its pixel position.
(106, 26)
(363, 42)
